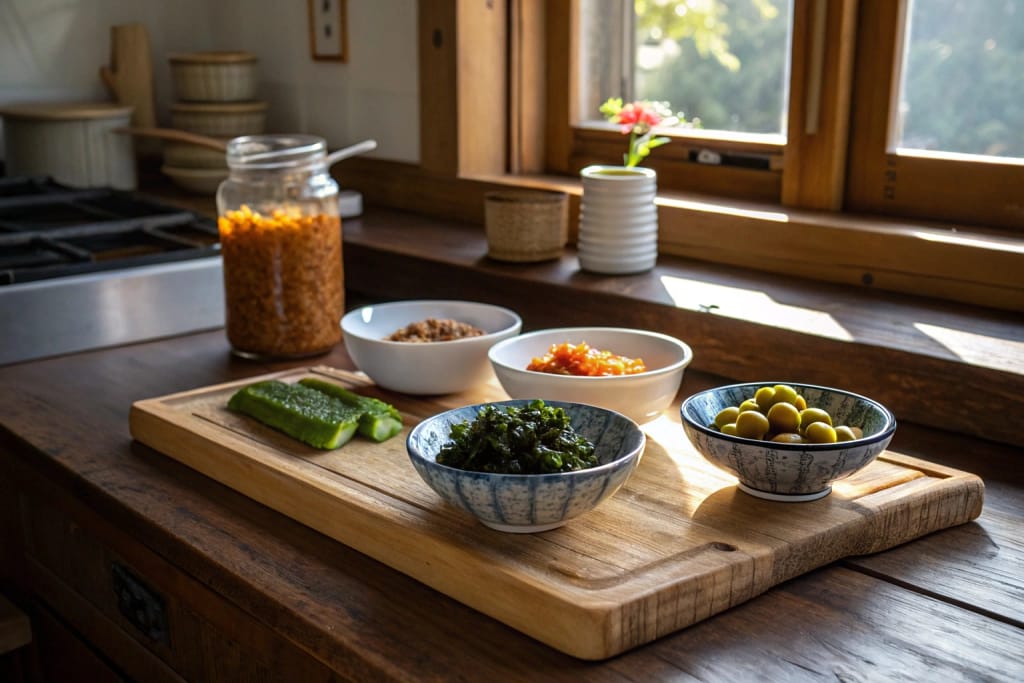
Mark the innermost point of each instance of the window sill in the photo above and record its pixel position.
(945, 365)
(949, 262)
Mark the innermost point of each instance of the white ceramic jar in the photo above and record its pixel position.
(75, 144)
(618, 231)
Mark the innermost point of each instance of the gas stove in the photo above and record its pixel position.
(88, 268)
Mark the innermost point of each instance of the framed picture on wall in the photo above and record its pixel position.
(328, 30)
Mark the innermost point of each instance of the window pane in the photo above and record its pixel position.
(725, 62)
(962, 88)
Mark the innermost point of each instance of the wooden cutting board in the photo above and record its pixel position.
(677, 544)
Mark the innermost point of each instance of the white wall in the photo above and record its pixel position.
(51, 50)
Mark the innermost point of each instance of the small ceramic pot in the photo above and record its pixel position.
(618, 231)
(76, 144)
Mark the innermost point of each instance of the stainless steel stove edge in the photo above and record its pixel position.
(77, 313)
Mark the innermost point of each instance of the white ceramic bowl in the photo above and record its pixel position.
(781, 471)
(615, 228)
(619, 180)
(527, 503)
(614, 265)
(189, 155)
(425, 368)
(624, 251)
(220, 119)
(600, 240)
(641, 397)
(197, 180)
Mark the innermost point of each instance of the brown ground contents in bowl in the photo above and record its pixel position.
(435, 330)
(283, 282)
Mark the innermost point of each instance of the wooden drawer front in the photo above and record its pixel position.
(131, 605)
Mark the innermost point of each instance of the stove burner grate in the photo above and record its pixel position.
(51, 231)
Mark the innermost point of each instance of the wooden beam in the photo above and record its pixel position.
(463, 86)
(439, 113)
(561, 84)
(814, 165)
(482, 64)
(527, 85)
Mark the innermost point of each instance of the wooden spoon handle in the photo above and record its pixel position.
(177, 135)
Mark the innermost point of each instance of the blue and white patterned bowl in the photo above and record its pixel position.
(527, 503)
(789, 472)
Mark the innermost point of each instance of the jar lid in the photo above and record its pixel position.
(275, 151)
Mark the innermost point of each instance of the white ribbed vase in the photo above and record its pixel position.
(618, 230)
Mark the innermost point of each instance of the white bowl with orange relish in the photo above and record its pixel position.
(641, 395)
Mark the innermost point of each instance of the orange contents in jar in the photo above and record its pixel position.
(584, 360)
(283, 282)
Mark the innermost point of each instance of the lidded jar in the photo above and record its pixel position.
(280, 237)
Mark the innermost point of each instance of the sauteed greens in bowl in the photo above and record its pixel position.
(522, 502)
(532, 439)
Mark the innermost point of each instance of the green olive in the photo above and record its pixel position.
(784, 417)
(751, 424)
(819, 432)
(749, 404)
(844, 433)
(784, 393)
(780, 413)
(726, 415)
(764, 397)
(809, 415)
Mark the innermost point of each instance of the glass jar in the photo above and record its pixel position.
(280, 237)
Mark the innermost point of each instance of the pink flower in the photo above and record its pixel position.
(637, 119)
(637, 115)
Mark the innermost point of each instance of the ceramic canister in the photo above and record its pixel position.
(75, 144)
(618, 231)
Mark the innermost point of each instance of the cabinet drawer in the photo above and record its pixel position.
(151, 619)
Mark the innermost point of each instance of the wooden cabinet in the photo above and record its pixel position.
(102, 597)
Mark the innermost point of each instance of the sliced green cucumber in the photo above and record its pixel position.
(380, 420)
(303, 413)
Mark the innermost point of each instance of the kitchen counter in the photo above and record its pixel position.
(263, 595)
(132, 564)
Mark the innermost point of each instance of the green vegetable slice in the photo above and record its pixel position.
(300, 412)
(379, 420)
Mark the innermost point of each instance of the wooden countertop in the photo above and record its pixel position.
(951, 366)
(944, 607)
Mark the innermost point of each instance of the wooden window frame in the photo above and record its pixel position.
(496, 110)
(885, 180)
(815, 230)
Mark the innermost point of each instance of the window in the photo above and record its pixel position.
(933, 88)
(938, 106)
(960, 86)
(725, 62)
(833, 194)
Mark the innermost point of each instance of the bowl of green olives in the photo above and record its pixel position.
(786, 441)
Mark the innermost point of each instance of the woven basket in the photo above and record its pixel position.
(526, 225)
